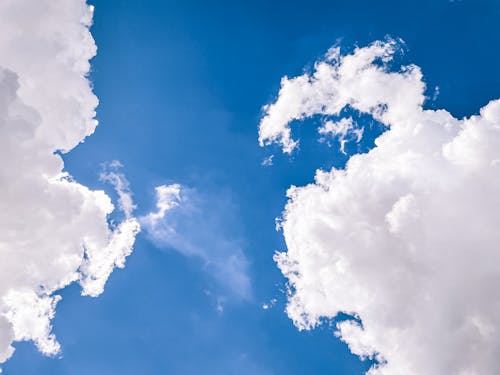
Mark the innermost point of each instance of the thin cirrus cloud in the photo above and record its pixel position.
(55, 231)
(198, 226)
(405, 237)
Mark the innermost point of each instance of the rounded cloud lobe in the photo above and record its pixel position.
(405, 238)
(54, 230)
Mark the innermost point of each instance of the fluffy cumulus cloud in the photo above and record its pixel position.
(405, 238)
(54, 230)
(199, 226)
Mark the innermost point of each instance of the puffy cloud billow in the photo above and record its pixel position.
(405, 238)
(55, 231)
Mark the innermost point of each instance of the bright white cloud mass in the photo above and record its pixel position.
(54, 230)
(405, 238)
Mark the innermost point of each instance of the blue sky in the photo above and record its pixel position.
(181, 88)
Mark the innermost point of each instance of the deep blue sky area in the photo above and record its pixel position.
(181, 86)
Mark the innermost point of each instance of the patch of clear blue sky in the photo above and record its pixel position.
(181, 85)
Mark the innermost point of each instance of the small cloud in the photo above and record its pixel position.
(220, 306)
(436, 93)
(111, 174)
(267, 162)
(345, 130)
(270, 304)
(167, 197)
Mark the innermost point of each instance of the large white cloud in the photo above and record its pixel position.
(54, 230)
(405, 238)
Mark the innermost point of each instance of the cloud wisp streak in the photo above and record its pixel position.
(196, 225)
(405, 237)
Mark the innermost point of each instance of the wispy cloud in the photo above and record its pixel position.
(267, 162)
(111, 174)
(344, 130)
(198, 225)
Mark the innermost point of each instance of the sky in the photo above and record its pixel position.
(207, 114)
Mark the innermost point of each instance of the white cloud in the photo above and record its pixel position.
(167, 197)
(406, 237)
(267, 162)
(270, 304)
(117, 179)
(196, 225)
(54, 230)
(344, 130)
